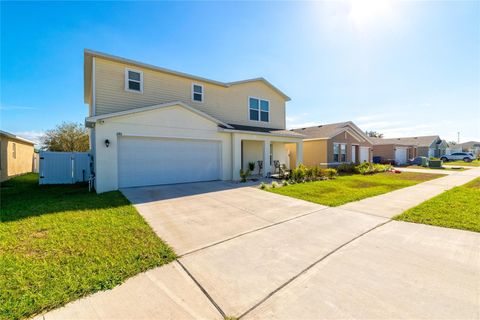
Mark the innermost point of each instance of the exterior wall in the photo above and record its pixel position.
(228, 104)
(23, 161)
(280, 153)
(386, 151)
(171, 122)
(252, 152)
(424, 152)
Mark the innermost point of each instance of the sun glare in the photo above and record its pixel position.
(364, 12)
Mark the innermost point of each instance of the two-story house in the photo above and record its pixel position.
(150, 126)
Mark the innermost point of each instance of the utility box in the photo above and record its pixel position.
(435, 164)
(424, 161)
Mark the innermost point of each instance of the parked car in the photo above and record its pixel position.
(465, 156)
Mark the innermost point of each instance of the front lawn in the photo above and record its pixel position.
(350, 188)
(59, 243)
(474, 163)
(457, 208)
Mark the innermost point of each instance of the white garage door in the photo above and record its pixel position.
(400, 155)
(364, 151)
(151, 161)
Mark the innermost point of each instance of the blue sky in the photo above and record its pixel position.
(400, 68)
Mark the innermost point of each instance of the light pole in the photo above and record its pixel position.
(458, 139)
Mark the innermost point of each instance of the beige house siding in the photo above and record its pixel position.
(13, 164)
(228, 104)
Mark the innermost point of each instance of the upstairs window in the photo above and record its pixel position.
(259, 110)
(133, 80)
(197, 92)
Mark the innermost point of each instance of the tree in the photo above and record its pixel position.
(452, 143)
(374, 134)
(68, 136)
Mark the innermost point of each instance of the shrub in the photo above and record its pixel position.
(251, 166)
(285, 183)
(263, 186)
(370, 168)
(244, 175)
(274, 185)
(347, 168)
(330, 173)
(299, 173)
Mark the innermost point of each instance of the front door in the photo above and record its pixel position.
(354, 154)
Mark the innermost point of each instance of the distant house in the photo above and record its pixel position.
(329, 145)
(17, 156)
(402, 149)
(393, 150)
(470, 146)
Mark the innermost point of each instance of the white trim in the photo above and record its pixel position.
(202, 94)
(119, 134)
(16, 137)
(259, 109)
(259, 133)
(94, 105)
(158, 106)
(127, 79)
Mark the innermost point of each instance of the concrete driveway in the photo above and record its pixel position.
(257, 255)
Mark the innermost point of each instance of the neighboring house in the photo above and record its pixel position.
(332, 144)
(397, 148)
(17, 156)
(393, 150)
(151, 126)
(470, 146)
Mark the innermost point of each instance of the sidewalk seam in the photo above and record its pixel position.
(251, 231)
(209, 297)
(311, 266)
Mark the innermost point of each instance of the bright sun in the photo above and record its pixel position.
(363, 12)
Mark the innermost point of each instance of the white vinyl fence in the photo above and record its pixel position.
(64, 167)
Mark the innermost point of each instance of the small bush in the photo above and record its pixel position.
(370, 168)
(330, 173)
(263, 186)
(285, 183)
(251, 166)
(244, 175)
(347, 168)
(274, 185)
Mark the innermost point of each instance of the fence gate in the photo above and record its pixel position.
(64, 167)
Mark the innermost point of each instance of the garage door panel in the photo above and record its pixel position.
(401, 155)
(364, 152)
(148, 161)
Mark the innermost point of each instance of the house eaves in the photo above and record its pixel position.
(94, 119)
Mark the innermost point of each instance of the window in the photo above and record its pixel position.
(339, 152)
(133, 80)
(14, 150)
(197, 92)
(259, 110)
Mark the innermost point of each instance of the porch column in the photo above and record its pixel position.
(236, 156)
(299, 152)
(266, 157)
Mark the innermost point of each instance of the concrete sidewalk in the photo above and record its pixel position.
(285, 258)
(394, 203)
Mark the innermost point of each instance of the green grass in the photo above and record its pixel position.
(59, 243)
(350, 188)
(457, 208)
(474, 163)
